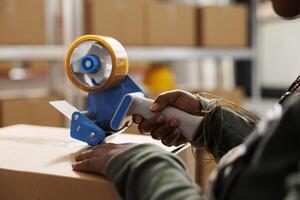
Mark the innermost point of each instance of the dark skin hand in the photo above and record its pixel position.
(97, 158)
(164, 129)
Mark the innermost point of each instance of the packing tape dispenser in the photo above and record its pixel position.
(99, 65)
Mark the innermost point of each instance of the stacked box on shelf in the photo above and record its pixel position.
(19, 25)
(164, 23)
(170, 23)
(29, 110)
(121, 19)
(223, 26)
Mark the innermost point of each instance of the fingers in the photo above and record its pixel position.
(96, 159)
(171, 138)
(137, 119)
(83, 155)
(164, 100)
(165, 129)
(168, 133)
(88, 165)
(93, 151)
(152, 124)
(179, 99)
(181, 140)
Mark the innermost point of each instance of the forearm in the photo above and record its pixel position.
(224, 127)
(148, 172)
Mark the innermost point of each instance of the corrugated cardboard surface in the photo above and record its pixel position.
(22, 22)
(38, 166)
(35, 164)
(121, 19)
(223, 26)
(35, 111)
(169, 23)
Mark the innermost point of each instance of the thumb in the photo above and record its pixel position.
(164, 100)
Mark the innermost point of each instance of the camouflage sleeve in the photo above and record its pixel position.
(224, 127)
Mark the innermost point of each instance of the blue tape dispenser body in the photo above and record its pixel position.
(95, 126)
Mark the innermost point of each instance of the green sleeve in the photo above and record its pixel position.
(148, 172)
(224, 127)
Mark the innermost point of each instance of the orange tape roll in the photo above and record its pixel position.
(112, 56)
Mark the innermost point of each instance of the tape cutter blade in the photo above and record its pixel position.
(64, 107)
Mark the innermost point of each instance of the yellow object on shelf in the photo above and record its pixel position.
(159, 78)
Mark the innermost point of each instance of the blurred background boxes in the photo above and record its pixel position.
(22, 22)
(223, 26)
(165, 23)
(28, 110)
(170, 24)
(134, 22)
(121, 19)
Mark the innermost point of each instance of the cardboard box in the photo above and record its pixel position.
(121, 19)
(35, 111)
(223, 26)
(168, 23)
(22, 22)
(36, 164)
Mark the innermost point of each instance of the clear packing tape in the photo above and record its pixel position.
(113, 63)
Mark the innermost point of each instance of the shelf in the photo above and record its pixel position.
(57, 53)
(32, 52)
(185, 53)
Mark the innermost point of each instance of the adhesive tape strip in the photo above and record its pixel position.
(119, 62)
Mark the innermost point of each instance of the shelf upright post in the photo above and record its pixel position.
(55, 73)
(73, 27)
(255, 75)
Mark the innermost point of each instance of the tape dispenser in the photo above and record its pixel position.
(99, 65)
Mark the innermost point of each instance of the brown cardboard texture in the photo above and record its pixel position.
(121, 19)
(170, 24)
(35, 163)
(22, 22)
(35, 111)
(223, 26)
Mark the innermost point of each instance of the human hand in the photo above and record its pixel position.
(96, 159)
(164, 129)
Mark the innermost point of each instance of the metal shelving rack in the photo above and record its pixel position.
(57, 52)
(73, 26)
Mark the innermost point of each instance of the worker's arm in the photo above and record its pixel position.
(148, 172)
(139, 171)
(225, 125)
